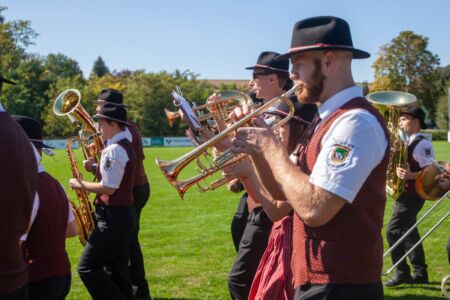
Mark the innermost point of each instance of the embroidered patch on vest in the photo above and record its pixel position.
(340, 155)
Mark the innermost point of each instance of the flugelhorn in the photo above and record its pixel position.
(390, 104)
(172, 169)
(212, 111)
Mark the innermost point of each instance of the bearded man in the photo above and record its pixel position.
(337, 187)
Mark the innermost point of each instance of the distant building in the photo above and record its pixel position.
(240, 84)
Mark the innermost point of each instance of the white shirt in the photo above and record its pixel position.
(351, 148)
(113, 160)
(423, 152)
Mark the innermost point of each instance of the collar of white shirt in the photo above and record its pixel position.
(125, 134)
(413, 137)
(338, 100)
(1, 108)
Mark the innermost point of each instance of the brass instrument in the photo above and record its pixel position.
(389, 104)
(68, 104)
(172, 169)
(445, 197)
(212, 112)
(426, 182)
(91, 143)
(444, 288)
(83, 212)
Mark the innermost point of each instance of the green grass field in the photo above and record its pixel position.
(187, 243)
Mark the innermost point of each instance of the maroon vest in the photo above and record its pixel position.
(139, 172)
(349, 248)
(18, 183)
(410, 185)
(123, 196)
(46, 242)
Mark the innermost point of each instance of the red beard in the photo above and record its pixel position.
(309, 92)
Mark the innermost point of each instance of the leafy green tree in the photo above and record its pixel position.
(99, 69)
(406, 64)
(149, 94)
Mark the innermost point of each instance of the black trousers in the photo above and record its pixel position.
(239, 221)
(141, 194)
(108, 246)
(403, 218)
(333, 291)
(55, 288)
(251, 249)
(19, 294)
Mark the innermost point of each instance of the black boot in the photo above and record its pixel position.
(397, 279)
(420, 278)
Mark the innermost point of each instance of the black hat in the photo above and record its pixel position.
(111, 96)
(322, 33)
(267, 64)
(112, 112)
(4, 80)
(417, 113)
(303, 112)
(33, 129)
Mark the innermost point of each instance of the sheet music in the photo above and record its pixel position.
(186, 108)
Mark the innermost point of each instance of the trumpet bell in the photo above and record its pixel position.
(66, 102)
(427, 182)
(171, 116)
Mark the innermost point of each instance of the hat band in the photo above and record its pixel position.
(319, 45)
(268, 67)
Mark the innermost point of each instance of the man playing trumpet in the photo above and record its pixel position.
(337, 186)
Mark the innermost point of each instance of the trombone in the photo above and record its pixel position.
(172, 169)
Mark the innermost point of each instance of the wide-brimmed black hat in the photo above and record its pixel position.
(112, 112)
(268, 64)
(111, 96)
(322, 33)
(303, 112)
(4, 80)
(33, 129)
(417, 113)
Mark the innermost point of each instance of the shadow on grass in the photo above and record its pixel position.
(417, 292)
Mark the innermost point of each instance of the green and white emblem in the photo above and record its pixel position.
(339, 155)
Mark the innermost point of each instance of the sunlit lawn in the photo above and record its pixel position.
(187, 243)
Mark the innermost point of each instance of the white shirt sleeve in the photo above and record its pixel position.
(112, 165)
(33, 216)
(423, 152)
(352, 147)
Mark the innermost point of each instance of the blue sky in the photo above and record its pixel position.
(216, 39)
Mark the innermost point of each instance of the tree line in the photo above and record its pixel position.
(404, 64)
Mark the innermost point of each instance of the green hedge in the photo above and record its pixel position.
(438, 135)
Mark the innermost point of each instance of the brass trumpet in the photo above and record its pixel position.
(212, 111)
(172, 169)
(389, 104)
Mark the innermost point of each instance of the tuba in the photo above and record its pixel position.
(172, 169)
(68, 104)
(390, 104)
